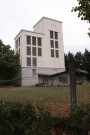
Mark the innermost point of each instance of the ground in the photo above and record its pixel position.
(56, 99)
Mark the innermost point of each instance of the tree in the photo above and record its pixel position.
(9, 62)
(82, 60)
(79, 60)
(83, 10)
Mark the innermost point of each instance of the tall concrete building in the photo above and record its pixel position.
(41, 50)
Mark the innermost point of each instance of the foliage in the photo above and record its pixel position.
(83, 9)
(9, 62)
(82, 60)
(78, 120)
(21, 119)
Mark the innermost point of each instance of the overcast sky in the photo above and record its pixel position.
(24, 14)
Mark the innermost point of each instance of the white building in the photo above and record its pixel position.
(41, 50)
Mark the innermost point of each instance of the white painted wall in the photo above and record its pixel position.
(42, 29)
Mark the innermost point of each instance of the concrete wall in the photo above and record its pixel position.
(54, 80)
(28, 78)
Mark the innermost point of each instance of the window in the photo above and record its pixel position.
(52, 53)
(56, 44)
(52, 43)
(63, 79)
(51, 34)
(39, 51)
(45, 80)
(39, 42)
(56, 35)
(28, 40)
(28, 61)
(33, 72)
(57, 53)
(28, 50)
(34, 51)
(34, 62)
(33, 40)
(19, 50)
(19, 41)
(16, 43)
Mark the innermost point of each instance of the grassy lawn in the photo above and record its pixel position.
(57, 99)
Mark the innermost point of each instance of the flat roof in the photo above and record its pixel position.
(27, 31)
(48, 19)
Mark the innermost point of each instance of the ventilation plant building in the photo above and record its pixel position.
(41, 50)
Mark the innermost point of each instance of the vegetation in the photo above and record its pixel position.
(83, 9)
(57, 99)
(22, 119)
(9, 63)
(82, 60)
(78, 120)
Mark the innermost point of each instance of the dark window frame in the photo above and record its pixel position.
(34, 61)
(52, 43)
(28, 40)
(28, 50)
(52, 53)
(28, 61)
(33, 40)
(39, 51)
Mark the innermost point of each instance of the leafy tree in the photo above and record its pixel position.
(9, 62)
(86, 62)
(83, 9)
(82, 60)
(79, 60)
(67, 58)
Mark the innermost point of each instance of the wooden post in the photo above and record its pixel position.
(72, 74)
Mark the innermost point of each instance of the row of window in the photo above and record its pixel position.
(54, 53)
(35, 51)
(53, 35)
(35, 40)
(61, 79)
(17, 42)
(54, 44)
(34, 61)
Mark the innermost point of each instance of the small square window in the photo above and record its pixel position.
(63, 79)
(45, 80)
(33, 72)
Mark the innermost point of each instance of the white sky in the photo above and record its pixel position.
(24, 14)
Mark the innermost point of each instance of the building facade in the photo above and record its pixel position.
(41, 50)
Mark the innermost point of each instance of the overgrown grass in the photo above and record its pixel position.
(57, 99)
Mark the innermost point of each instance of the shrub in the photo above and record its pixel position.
(78, 120)
(22, 119)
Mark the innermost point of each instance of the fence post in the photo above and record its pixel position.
(72, 74)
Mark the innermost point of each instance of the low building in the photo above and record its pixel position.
(62, 78)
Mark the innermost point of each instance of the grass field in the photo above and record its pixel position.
(57, 99)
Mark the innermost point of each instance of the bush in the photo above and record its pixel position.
(78, 120)
(22, 119)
